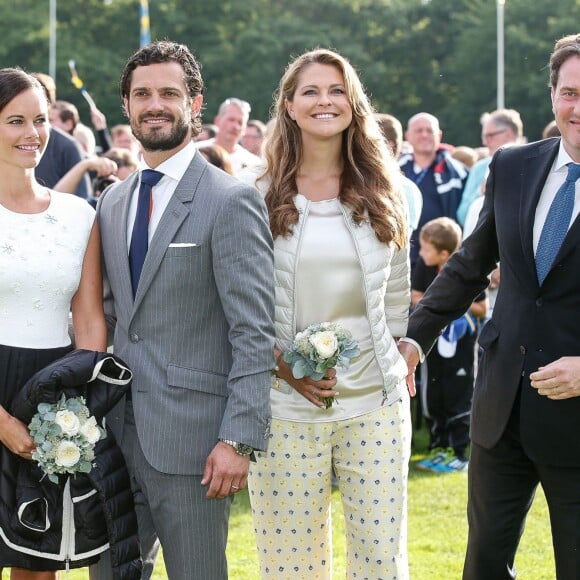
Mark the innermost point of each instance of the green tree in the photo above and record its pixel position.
(528, 43)
(413, 55)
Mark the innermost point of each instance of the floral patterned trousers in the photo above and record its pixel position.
(290, 491)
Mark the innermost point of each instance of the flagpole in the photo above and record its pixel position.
(500, 55)
(52, 39)
(145, 37)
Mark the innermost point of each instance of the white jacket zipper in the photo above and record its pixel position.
(68, 525)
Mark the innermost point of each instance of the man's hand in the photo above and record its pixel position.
(411, 356)
(558, 380)
(102, 166)
(98, 119)
(494, 279)
(225, 471)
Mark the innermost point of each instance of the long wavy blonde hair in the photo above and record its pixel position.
(370, 184)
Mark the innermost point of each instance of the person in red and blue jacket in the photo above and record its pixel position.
(440, 178)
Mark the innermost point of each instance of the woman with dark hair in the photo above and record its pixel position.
(49, 265)
(338, 219)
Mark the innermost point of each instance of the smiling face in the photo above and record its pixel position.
(159, 107)
(231, 123)
(424, 134)
(320, 104)
(566, 105)
(24, 129)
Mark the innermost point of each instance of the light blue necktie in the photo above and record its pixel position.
(140, 236)
(557, 222)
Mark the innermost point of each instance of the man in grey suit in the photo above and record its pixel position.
(195, 326)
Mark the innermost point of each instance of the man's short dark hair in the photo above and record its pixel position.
(565, 48)
(163, 51)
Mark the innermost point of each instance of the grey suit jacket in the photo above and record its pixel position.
(199, 335)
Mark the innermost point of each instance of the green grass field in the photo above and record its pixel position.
(437, 533)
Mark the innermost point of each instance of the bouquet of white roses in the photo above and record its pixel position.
(318, 348)
(65, 435)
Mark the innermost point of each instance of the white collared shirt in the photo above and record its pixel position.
(556, 177)
(173, 169)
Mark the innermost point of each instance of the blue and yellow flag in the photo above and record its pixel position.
(145, 25)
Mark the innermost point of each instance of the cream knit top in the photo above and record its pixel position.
(330, 287)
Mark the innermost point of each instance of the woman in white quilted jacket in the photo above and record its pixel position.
(338, 219)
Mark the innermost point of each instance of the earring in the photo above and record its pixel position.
(292, 115)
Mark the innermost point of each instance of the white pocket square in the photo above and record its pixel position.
(182, 245)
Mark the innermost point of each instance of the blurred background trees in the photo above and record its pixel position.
(413, 55)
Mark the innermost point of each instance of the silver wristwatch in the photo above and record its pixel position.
(239, 448)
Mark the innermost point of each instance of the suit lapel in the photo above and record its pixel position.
(120, 212)
(178, 209)
(535, 171)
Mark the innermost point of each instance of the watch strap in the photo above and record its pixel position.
(239, 448)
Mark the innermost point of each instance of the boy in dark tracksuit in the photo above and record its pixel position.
(448, 388)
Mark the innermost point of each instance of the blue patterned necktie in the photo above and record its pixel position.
(140, 236)
(557, 222)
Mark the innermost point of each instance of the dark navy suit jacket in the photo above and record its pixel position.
(532, 325)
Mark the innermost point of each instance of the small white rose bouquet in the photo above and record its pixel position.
(65, 435)
(318, 348)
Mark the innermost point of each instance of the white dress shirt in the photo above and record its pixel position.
(555, 179)
(173, 170)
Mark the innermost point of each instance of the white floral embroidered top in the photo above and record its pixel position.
(41, 257)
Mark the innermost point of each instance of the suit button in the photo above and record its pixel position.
(523, 349)
(134, 337)
(539, 302)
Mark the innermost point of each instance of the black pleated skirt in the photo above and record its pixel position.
(17, 365)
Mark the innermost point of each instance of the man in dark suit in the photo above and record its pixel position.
(195, 327)
(526, 407)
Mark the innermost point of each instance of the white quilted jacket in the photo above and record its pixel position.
(387, 289)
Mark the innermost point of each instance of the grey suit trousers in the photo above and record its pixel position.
(173, 509)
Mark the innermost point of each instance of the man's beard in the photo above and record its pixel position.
(157, 140)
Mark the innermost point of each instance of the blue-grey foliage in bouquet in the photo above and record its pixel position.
(321, 347)
(65, 434)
